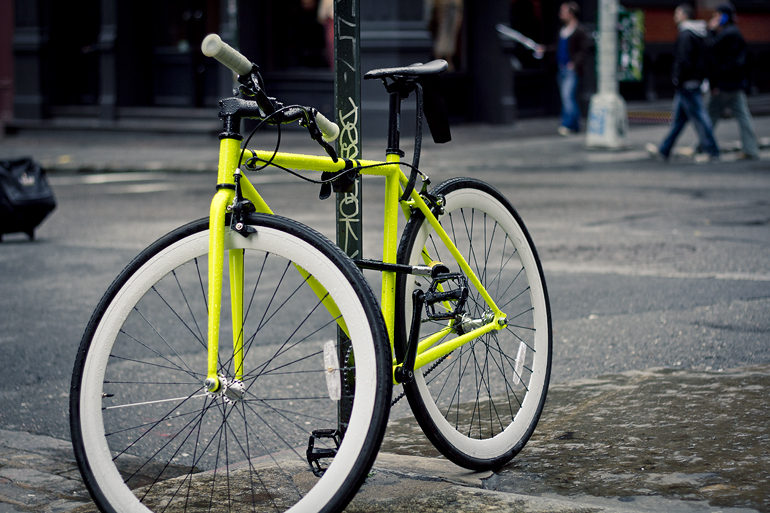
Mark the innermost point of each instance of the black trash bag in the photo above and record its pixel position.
(26, 197)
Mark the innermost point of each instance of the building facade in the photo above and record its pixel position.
(120, 63)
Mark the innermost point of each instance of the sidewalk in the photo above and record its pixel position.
(528, 143)
(645, 441)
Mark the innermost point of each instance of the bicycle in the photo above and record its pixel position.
(293, 415)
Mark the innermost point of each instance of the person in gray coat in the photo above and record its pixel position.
(727, 76)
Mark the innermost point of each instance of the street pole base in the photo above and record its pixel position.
(607, 122)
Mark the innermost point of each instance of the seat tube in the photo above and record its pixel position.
(392, 193)
(229, 148)
(394, 124)
(390, 242)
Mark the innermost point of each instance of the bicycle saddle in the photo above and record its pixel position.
(413, 71)
(426, 77)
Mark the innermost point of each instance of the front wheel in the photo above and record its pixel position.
(147, 434)
(480, 403)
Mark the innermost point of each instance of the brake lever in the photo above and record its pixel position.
(253, 86)
(329, 150)
(317, 136)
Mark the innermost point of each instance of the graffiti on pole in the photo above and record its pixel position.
(347, 93)
(348, 211)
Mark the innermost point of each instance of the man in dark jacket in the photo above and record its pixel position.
(689, 70)
(727, 76)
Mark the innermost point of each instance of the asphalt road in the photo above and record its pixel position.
(647, 265)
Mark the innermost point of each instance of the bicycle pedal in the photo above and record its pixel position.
(452, 299)
(316, 454)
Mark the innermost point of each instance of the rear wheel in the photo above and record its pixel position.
(479, 404)
(148, 436)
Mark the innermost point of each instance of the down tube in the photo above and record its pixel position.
(250, 193)
(390, 243)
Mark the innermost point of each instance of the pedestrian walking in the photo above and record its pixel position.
(445, 24)
(571, 50)
(727, 76)
(687, 75)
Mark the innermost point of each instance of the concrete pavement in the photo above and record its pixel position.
(657, 440)
(652, 440)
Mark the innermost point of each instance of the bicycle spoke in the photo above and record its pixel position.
(203, 290)
(188, 370)
(166, 342)
(199, 336)
(284, 347)
(253, 471)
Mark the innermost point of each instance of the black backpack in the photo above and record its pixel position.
(26, 197)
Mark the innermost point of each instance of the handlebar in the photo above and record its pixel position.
(328, 128)
(213, 46)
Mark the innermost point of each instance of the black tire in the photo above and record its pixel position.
(145, 431)
(477, 405)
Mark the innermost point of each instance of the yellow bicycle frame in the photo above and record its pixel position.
(395, 180)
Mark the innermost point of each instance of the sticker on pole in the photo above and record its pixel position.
(332, 371)
(518, 365)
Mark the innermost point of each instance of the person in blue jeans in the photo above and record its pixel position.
(690, 67)
(571, 50)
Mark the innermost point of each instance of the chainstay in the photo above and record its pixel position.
(424, 374)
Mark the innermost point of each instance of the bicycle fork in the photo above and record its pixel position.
(216, 284)
(223, 199)
(220, 205)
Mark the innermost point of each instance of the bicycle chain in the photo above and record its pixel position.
(346, 382)
(425, 374)
(347, 368)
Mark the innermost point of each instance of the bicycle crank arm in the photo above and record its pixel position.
(404, 373)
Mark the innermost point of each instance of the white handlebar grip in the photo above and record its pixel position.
(329, 129)
(213, 46)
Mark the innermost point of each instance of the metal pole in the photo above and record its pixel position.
(607, 116)
(347, 102)
(608, 47)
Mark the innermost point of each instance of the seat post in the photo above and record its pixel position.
(394, 124)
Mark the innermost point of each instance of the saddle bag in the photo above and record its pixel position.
(26, 197)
